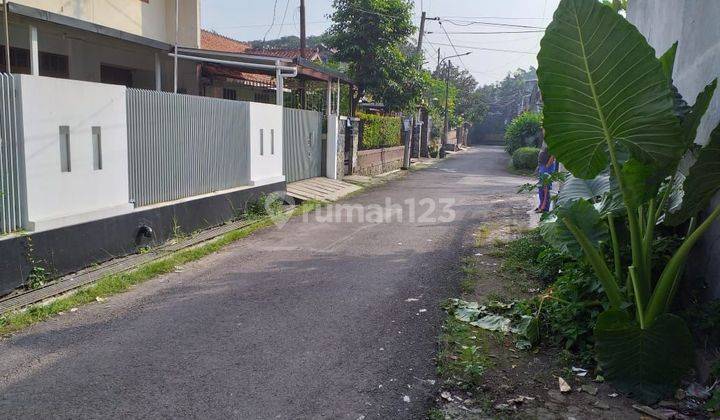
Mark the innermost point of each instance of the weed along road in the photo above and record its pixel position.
(334, 315)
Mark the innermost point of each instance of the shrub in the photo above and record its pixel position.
(568, 308)
(525, 130)
(526, 158)
(378, 131)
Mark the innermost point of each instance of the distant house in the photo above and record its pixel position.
(223, 80)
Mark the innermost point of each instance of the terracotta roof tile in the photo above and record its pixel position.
(216, 42)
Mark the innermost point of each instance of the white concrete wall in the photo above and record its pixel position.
(266, 164)
(56, 198)
(694, 24)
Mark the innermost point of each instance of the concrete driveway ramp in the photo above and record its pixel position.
(320, 189)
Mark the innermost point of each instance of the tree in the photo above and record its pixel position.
(503, 100)
(290, 42)
(370, 36)
(470, 104)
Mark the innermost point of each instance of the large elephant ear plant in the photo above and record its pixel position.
(613, 118)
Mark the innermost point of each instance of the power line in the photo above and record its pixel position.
(263, 25)
(460, 22)
(287, 5)
(491, 32)
(486, 49)
(493, 17)
(452, 45)
(272, 24)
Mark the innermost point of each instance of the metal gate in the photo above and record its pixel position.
(302, 145)
(12, 193)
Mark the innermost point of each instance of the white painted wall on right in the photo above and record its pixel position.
(694, 24)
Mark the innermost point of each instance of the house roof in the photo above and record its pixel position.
(210, 40)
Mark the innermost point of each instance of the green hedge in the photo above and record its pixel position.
(378, 131)
(525, 130)
(526, 158)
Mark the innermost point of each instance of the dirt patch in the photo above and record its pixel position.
(486, 375)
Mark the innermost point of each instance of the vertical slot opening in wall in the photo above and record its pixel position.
(262, 142)
(272, 141)
(97, 148)
(65, 148)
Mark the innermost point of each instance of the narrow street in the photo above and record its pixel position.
(314, 320)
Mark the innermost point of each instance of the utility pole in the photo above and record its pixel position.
(420, 36)
(303, 41)
(411, 137)
(438, 66)
(441, 152)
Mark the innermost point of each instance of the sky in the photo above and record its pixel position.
(248, 20)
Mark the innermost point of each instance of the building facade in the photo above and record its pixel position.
(125, 42)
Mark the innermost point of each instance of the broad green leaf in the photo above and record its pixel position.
(641, 181)
(668, 61)
(702, 181)
(692, 119)
(645, 363)
(582, 214)
(602, 86)
(467, 314)
(493, 323)
(588, 189)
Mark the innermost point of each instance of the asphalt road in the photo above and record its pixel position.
(319, 319)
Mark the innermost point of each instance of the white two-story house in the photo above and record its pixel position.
(110, 41)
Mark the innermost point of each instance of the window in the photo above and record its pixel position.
(262, 97)
(116, 75)
(230, 94)
(97, 148)
(65, 149)
(52, 65)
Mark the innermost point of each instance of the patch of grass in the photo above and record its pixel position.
(265, 205)
(435, 414)
(470, 275)
(463, 356)
(481, 235)
(530, 256)
(114, 284)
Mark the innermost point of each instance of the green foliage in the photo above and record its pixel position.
(379, 131)
(525, 158)
(265, 205)
(531, 256)
(568, 308)
(466, 103)
(525, 130)
(371, 36)
(502, 100)
(463, 353)
(611, 111)
(290, 42)
(644, 362)
(38, 275)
